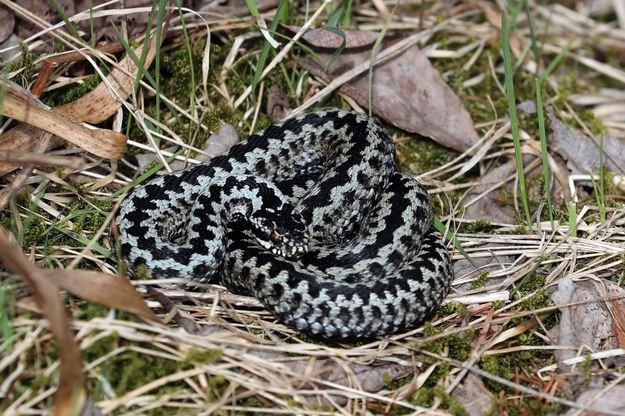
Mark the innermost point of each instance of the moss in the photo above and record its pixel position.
(92, 310)
(79, 219)
(451, 308)
(437, 395)
(221, 113)
(217, 385)
(141, 272)
(519, 230)
(494, 365)
(26, 67)
(455, 346)
(590, 120)
(196, 356)
(533, 284)
(71, 94)
(418, 156)
(35, 380)
(484, 101)
(587, 367)
(180, 79)
(102, 347)
(85, 218)
(538, 300)
(34, 227)
(39, 383)
(511, 364)
(129, 370)
(478, 226)
(181, 75)
(480, 281)
(33, 234)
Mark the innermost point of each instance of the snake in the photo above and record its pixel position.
(310, 217)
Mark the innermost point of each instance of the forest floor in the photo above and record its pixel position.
(512, 114)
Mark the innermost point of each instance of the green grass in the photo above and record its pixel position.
(514, 121)
(7, 308)
(68, 24)
(335, 18)
(573, 219)
(544, 152)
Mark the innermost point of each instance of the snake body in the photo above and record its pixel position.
(310, 217)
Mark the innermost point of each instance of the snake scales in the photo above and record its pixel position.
(310, 217)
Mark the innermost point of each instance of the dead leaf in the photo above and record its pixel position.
(408, 92)
(585, 325)
(136, 23)
(112, 291)
(7, 21)
(473, 395)
(581, 152)
(45, 286)
(107, 144)
(487, 201)
(71, 394)
(614, 296)
(94, 107)
(221, 142)
(278, 106)
(44, 10)
(600, 400)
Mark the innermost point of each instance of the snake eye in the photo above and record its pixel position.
(277, 233)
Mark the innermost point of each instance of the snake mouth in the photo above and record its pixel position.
(298, 250)
(292, 251)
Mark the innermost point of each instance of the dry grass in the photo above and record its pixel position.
(218, 352)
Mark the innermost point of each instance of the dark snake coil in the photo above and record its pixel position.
(310, 217)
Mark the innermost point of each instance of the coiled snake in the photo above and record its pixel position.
(310, 217)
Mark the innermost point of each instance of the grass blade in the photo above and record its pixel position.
(544, 151)
(514, 122)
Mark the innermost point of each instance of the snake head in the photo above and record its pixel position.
(282, 232)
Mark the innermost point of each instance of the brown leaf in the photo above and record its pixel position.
(484, 201)
(104, 143)
(407, 90)
(45, 286)
(600, 400)
(7, 21)
(112, 291)
(94, 107)
(586, 324)
(278, 106)
(582, 153)
(70, 395)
